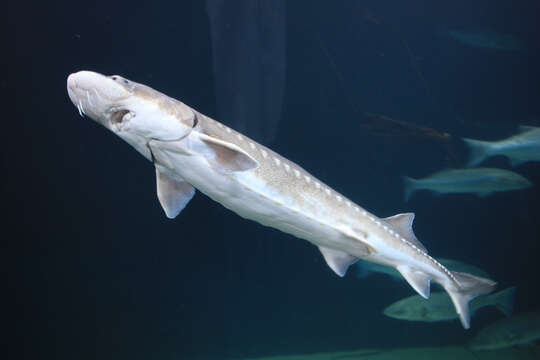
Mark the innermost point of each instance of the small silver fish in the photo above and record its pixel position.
(479, 181)
(517, 330)
(439, 306)
(519, 148)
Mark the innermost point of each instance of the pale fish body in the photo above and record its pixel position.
(439, 306)
(192, 151)
(522, 329)
(520, 148)
(479, 181)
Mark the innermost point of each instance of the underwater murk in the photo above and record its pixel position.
(345, 180)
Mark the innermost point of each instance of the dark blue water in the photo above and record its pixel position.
(96, 269)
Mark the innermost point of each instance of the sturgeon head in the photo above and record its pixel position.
(146, 119)
(133, 111)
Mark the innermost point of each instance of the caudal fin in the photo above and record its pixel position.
(409, 187)
(504, 300)
(478, 151)
(469, 287)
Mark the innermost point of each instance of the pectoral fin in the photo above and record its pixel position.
(173, 194)
(225, 156)
(338, 261)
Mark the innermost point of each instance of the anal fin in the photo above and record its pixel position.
(419, 280)
(173, 194)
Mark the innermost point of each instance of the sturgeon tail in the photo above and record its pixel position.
(478, 151)
(469, 287)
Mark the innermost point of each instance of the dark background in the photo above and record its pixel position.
(97, 271)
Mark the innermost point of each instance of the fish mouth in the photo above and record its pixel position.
(118, 118)
(100, 98)
(76, 94)
(86, 101)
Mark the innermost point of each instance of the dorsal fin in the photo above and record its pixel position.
(338, 261)
(402, 223)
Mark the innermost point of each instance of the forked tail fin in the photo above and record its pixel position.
(470, 287)
(409, 187)
(478, 151)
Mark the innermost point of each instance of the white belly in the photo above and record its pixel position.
(250, 197)
(254, 198)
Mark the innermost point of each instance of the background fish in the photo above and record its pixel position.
(365, 268)
(520, 329)
(439, 306)
(519, 148)
(487, 39)
(479, 181)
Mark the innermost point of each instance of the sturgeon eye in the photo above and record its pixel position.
(115, 78)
